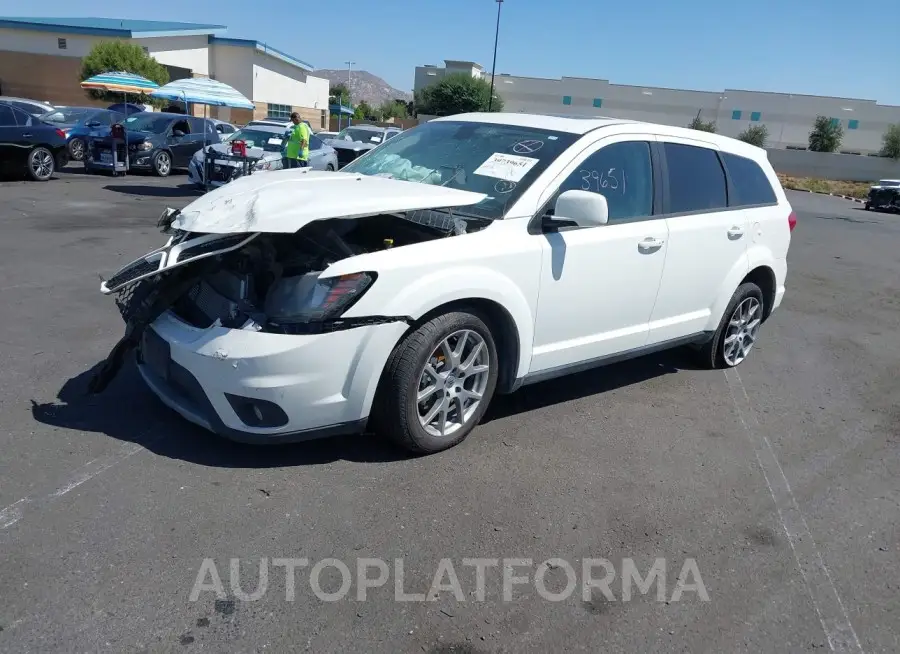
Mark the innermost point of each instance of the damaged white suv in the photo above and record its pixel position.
(467, 256)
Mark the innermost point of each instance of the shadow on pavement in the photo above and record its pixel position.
(147, 190)
(129, 412)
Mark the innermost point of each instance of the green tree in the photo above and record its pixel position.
(115, 56)
(455, 94)
(703, 125)
(755, 135)
(826, 135)
(394, 109)
(891, 141)
(340, 94)
(364, 111)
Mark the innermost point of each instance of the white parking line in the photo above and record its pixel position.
(16, 511)
(829, 607)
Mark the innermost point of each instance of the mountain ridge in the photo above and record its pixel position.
(364, 86)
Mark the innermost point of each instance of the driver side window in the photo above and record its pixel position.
(621, 172)
(181, 126)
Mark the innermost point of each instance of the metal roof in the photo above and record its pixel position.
(110, 26)
(265, 49)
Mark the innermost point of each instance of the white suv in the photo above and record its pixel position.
(467, 256)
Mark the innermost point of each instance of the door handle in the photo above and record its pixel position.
(650, 244)
(735, 232)
(27, 135)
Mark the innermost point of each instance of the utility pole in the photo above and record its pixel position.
(494, 66)
(341, 103)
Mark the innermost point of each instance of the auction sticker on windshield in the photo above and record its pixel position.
(274, 141)
(509, 167)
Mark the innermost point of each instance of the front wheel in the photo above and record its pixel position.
(329, 168)
(738, 331)
(41, 164)
(162, 164)
(438, 383)
(76, 149)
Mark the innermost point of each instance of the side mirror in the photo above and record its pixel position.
(582, 208)
(177, 133)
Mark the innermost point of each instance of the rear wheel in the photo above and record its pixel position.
(41, 164)
(438, 383)
(738, 331)
(76, 149)
(162, 163)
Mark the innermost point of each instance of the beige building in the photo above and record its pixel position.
(788, 117)
(40, 58)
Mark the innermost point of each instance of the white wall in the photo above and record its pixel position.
(190, 52)
(278, 82)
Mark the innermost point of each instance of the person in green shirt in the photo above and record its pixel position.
(297, 152)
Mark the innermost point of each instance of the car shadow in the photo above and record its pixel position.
(146, 190)
(128, 411)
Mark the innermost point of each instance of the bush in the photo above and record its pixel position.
(891, 141)
(826, 135)
(457, 93)
(755, 135)
(121, 56)
(703, 125)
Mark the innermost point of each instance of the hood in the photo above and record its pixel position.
(283, 201)
(350, 145)
(256, 153)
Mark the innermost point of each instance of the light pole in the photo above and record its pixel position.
(494, 66)
(349, 69)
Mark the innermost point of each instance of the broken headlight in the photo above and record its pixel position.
(305, 299)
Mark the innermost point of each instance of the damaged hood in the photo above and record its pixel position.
(284, 201)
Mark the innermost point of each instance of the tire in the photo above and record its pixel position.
(329, 168)
(76, 149)
(868, 207)
(162, 164)
(398, 414)
(41, 164)
(716, 354)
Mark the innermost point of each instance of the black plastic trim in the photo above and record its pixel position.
(581, 366)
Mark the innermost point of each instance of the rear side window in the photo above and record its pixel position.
(696, 179)
(6, 116)
(749, 184)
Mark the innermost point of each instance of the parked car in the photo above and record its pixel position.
(126, 108)
(468, 256)
(222, 127)
(29, 145)
(326, 135)
(158, 142)
(352, 142)
(32, 107)
(79, 123)
(276, 122)
(266, 145)
(884, 195)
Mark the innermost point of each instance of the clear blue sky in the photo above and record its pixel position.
(827, 47)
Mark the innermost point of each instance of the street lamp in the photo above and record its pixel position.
(341, 98)
(494, 66)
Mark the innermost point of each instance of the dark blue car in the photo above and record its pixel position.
(80, 122)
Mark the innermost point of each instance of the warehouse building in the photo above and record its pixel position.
(788, 117)
(40, 58)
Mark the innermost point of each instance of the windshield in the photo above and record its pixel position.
(889, 182)
(498, 160)
(68, 115)
(360, 134)
(155, 123)
(270, 141)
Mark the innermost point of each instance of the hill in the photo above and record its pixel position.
(364, 86)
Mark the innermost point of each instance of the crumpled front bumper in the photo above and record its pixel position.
(267, 388)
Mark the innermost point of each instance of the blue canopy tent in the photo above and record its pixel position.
(341, 111)
(205, 91)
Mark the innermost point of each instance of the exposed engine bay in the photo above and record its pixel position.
(263, 282)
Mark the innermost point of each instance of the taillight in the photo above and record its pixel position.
(792, 221)
(61, 133)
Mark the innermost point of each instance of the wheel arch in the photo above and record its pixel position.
(764, 277)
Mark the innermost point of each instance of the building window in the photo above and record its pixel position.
(279, 111)
(598, 102)
(736, 114)
(61, 44)
(755, 116)
(835, 122)
(567, 99)
(852, 124)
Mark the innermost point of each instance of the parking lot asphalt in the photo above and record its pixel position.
(780, 480)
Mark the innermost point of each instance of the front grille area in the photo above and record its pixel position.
(344, 156)
(134, 270)
(211, 246)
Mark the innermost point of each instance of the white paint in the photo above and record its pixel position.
(233, 65)
(829, 607)
(46, 43)
(191, 52)
(15, 512)
(280, 83)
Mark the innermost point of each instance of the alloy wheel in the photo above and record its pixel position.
(42, 163)
(742, 332)
(452, 383)
(163, 164)
(77, 149)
